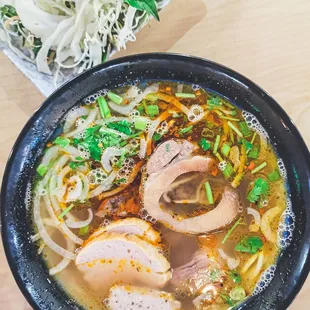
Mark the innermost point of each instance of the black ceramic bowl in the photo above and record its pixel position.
(29, 270)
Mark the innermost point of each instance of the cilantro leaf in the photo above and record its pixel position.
(244, 128)
(227, 299)
(7, 10)
(249, 245)
(145, 5)
(235, 276)
(156, 136)
(204, 144)
(261, 187)
(122, 126)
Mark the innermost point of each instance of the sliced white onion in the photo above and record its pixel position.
(232, 263)
(106, 185)
(43, 233)
(260, 260)
(50, 154)
(126, 109)
(142, 150)
(75, 194)
(73, 151)
(61, 189)
(85, 190)
(90, 119)
(73, 222)
(72, 117)
(268, 218)
(254, 227)
(107, 154)
(249, 263)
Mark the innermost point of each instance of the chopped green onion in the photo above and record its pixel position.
(225, 149)
(230, 118)
(274, 176)
(186, 130)
(73, 165)
(253, 153)
(140, 123)
(228, 104)
(84, 230)
(219, 113)
(115, 98)
(216, 144)
(42, 169)
(121, 160)
(151, 97)
(219, 157)
(231, 230)
(227, 299)
(204, 144)
(209, 193)
(254, 136)
(79, 158)
(231, 135)
(123, 143)
(64, 212)
(62, 141)
(104, 108)
(235, 129)
(151, 110)
(156, 136)
(213, 102)
(237, 293)
(228, 171)
(260, 167)
(244, 128)
(185, 95)
(140, 108)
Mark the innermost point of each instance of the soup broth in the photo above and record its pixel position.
(160, 193)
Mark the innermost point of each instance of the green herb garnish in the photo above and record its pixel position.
(227, 299)
(151, 110)
(7, 10)
(225, 149)
(253, 153)
(156, 136)
(122, 126)
(235, 276)
(84, 230)
(216, 144)
(204, 144)
(261, 187)
(244, 128)
(115, 98)
(209, 193)
(274, 176)
(104, 108)
(62, 141)
(74, 164)
(145, 5)
(65, 211)
(42, 169)
(186, 130)
(249, 245)
(228, 171)
(185, 95)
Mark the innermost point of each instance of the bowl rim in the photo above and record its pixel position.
(128, 59)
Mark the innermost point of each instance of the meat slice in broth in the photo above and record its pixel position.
(125, 297)
(110, 258)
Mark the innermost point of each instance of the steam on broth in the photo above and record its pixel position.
(160, 196)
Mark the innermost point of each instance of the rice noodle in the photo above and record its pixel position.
(43, 233)
(73, 222)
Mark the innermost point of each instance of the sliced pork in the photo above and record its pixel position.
(226, 212)
(162, 156)
(131, 226)
(110, 258)
(196, 275)
(127, 297)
